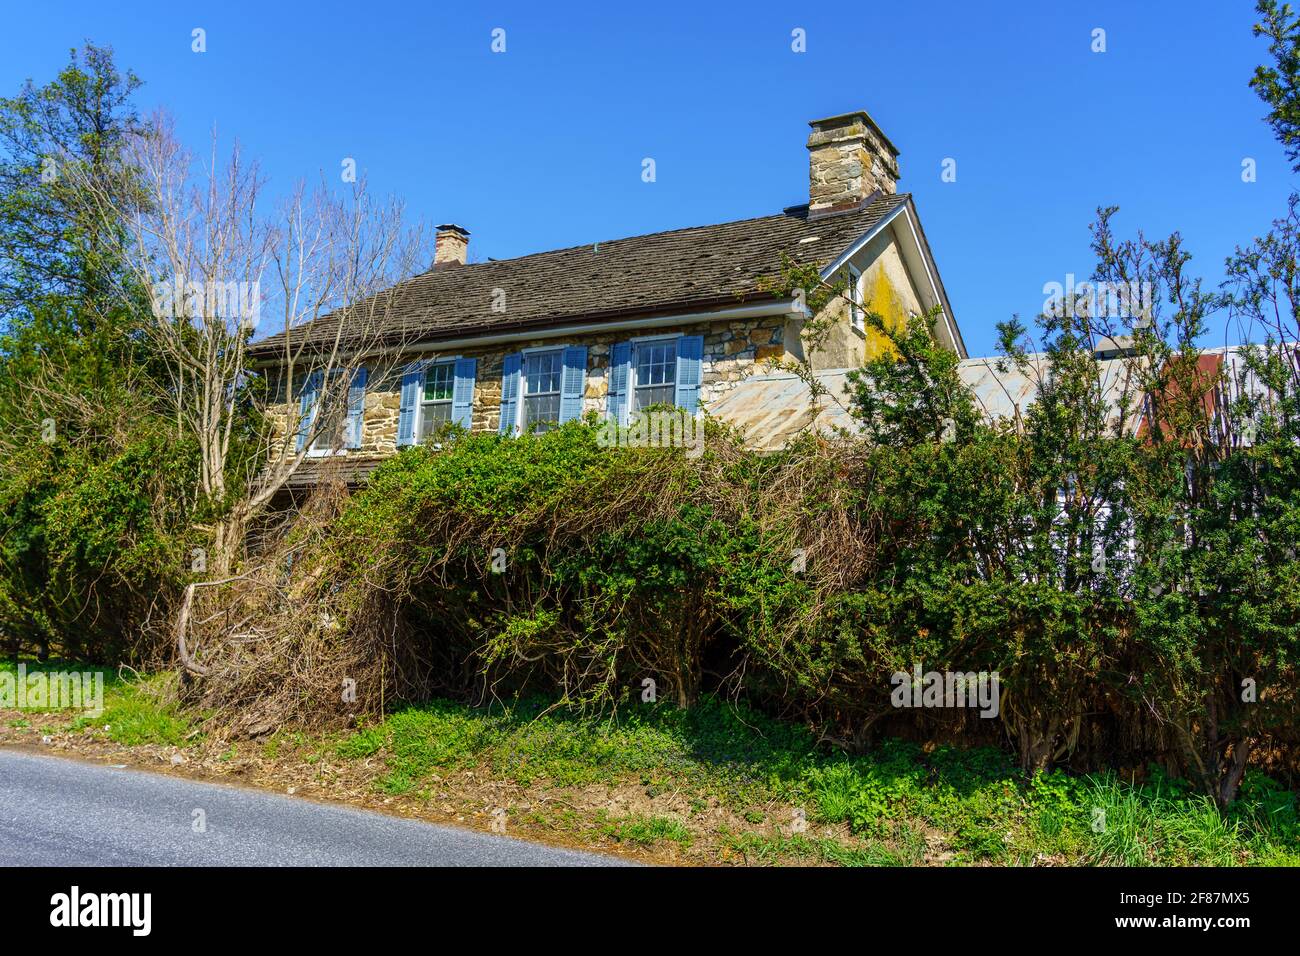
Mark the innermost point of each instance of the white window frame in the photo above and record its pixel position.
(631, 370)
(317, 406)
(857, 315)
(419, 402)
(522, 398)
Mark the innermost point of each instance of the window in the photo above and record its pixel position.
(541, 375)
(654, 374)
(435, 403)
(855, 299)
(435, 393)
(334, 419)
(329, 428)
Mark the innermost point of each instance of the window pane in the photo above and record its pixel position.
(542, 373)
(656, 363)
(655, 395)
(330, 423)
(855, 297)
(656, 374)
(541, 412)
(438, 381)
(433, 415)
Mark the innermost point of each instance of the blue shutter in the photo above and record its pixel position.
(510, 392)
(573, 382)
(307, 407)
(356, 407)
(462, 393)
(690, 357)
(620, 370)
(412, 382)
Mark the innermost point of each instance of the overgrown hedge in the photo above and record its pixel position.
(95, 542)
(623, 565)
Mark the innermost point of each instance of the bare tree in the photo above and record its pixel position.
(321, 267)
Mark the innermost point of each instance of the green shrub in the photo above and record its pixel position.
(94, 540)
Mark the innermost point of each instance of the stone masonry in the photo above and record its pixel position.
(732, 352)
(849, 158)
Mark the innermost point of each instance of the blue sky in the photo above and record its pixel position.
(541, 146)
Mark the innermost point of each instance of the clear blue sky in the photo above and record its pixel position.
(541, 147)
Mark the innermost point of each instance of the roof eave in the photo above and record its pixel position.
(765, 305)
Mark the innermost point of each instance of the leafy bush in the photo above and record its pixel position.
(93, 540)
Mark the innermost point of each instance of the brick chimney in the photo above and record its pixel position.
(849, 158)
(451, 246)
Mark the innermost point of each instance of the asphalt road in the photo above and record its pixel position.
(58, 812)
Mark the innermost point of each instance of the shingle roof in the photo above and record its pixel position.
(660, 273)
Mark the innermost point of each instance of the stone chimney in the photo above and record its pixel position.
(849, 158)
(451, 246)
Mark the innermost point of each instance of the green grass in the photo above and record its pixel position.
(975, 806)
(137, 710)
(773, 851)
(713, 748)
(647, 831)
(1162, 824)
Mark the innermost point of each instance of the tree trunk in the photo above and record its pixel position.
(227, 544)
(1231, 781)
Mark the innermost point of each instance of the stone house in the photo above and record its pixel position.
(682, 318)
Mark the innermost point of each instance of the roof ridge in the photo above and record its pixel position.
(783, 214)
